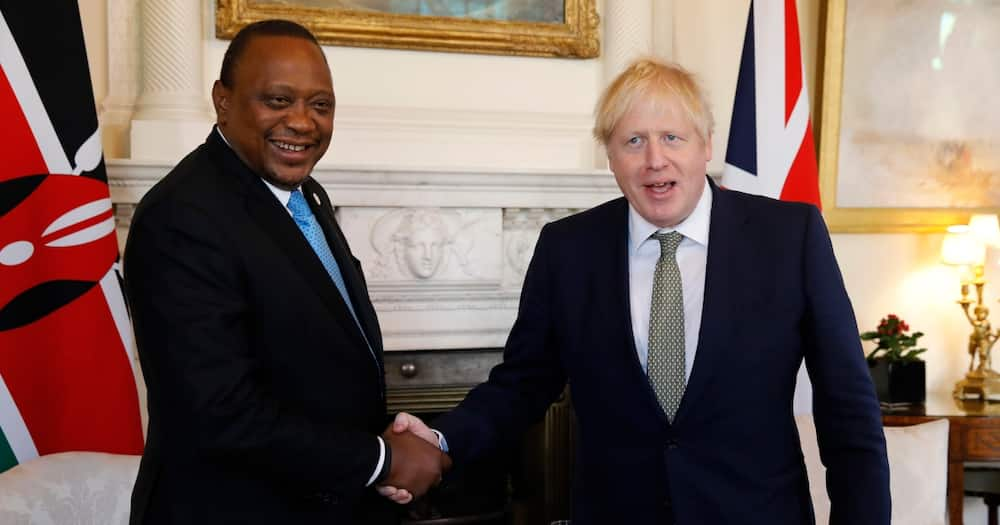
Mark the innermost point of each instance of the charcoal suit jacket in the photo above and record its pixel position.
(773, 297)
(264, 397)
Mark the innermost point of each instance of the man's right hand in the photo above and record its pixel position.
(405, 422)
(417, 465)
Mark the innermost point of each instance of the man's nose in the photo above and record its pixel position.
(299, 119)
(656, 156)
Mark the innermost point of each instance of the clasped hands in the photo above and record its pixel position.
(417, 460)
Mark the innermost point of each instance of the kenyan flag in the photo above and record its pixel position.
(66, 378)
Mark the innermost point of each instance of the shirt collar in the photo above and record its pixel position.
(694, 227)
(224, 139)
(283, 196)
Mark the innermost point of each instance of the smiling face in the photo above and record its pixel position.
(278, 113)
(659, 160)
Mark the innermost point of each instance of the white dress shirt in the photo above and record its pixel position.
(692, 255)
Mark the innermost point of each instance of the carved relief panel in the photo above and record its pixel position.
(521, 227)
(423, 245)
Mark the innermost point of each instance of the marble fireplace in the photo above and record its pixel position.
(444, 253)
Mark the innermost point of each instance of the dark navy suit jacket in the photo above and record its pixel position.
(773, 297)
(264, 398)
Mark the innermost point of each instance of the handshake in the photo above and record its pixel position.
(417, 462)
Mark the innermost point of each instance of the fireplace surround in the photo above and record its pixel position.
(444, 253)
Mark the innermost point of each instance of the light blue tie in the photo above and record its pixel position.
(306, 222)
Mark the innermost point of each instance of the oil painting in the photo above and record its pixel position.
(910, 139)
(546, 28)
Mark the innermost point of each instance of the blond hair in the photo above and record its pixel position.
(652, 79)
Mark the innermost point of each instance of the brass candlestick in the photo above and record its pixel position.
(981, 381)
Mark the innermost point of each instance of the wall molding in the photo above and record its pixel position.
(436, 310)
(391, 186)
(431, 137)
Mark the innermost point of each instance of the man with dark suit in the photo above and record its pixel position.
(680, 315)
(259, 345)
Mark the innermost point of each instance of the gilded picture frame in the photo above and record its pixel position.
(575, 35)
(905, 140)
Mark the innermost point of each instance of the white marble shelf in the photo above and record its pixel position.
(444, 250)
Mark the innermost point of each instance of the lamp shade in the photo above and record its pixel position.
(986, 228)
(960, 247)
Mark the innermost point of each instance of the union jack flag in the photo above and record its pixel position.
(66, 370)
(771, 150)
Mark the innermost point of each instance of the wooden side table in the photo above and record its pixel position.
(973, 435)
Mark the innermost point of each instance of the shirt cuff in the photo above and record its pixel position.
(442, 442)
(381, 462)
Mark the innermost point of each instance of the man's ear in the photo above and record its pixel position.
(221, 100)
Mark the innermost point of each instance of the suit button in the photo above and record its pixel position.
(672, 443)
(324, 498)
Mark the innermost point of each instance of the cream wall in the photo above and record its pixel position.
(884, 273)
(527, 113)
(93, 14)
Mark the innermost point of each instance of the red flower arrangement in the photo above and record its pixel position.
(892, 339)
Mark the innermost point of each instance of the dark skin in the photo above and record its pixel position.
(416, 464)
(278, 117)
(278, 114)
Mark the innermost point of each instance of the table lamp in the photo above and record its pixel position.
(965, 246)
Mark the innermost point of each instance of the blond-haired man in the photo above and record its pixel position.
(680, 315)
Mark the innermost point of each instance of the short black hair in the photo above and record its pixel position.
(274, 27)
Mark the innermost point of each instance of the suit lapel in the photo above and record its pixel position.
(274, 220)
(727, 242)
(621, 298)
(353, 279)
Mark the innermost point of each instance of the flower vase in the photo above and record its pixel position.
(898, 383)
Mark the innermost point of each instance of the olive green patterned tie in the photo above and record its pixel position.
(665, 362)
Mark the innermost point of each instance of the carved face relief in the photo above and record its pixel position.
(430, 246)
(423, 251)
(420, 243)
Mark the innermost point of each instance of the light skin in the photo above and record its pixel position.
(659, 161)
(278, 113)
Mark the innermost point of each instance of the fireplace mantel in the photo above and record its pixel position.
(444, 250)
